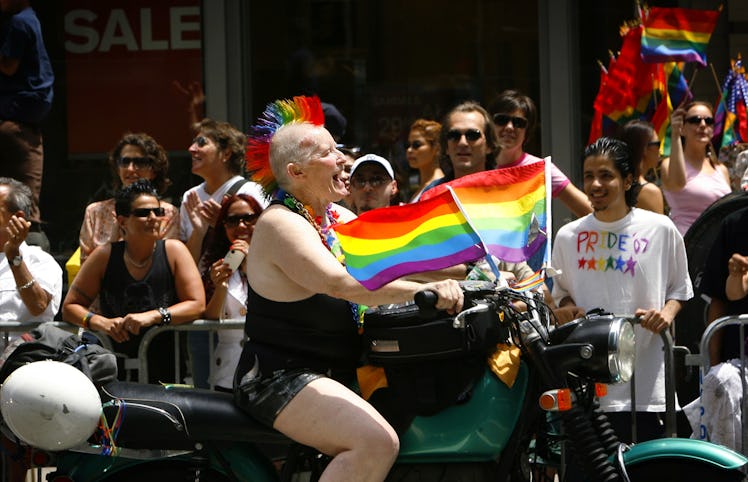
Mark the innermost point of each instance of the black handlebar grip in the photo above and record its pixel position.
(426, 302)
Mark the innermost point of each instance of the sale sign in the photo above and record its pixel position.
(131, 66)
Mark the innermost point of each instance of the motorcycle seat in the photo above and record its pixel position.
(169, 417)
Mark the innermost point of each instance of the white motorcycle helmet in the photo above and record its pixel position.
(50, 405)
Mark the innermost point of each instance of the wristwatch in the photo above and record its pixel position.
(17, 260)
(165, 316)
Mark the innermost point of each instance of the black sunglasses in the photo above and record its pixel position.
(653, 143)
(234, 220)
(201, 141)
(503, 119)
(145, 212)
(138, 162)
(414, 145)
(696, 120)
(374, 182)
(471, 135)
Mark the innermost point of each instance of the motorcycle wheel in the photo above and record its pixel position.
(457, 472)
(681, 470)
(167, 471)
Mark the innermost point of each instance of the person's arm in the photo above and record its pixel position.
(82, 293)
(575, 200)
(736, 286)
(219, 275)
(34, 296)
(188, 284)
(650, 198)
(659, 320)
(170, 224)
(290, 244)
(673, 169)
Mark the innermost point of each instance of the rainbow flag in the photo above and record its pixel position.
(506, 207)
(384, 244)
(731, 118)
(677, 34)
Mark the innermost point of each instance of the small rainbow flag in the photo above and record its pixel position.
(384, 244)
(506, 207)
(677, 34)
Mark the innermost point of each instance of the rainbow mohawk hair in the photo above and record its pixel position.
(277, 114)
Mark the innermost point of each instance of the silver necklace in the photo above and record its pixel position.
(142, 264)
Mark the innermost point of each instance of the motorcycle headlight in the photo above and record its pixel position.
(613, 349)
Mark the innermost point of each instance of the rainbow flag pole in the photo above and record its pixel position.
(548, 215)
(489, 258)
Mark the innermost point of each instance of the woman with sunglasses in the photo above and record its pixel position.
(423, 151)
(226, 285)
(136, 156)
(141, 282)
(514, 118)
(644, 143)
(692, 177)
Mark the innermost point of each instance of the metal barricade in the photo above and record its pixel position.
(198, 325)
(702, 361)
(141, 362)
(671, 426)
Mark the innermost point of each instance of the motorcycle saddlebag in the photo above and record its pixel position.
(430, 365)
(400, 334)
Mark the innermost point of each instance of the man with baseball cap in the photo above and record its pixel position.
(372, 184)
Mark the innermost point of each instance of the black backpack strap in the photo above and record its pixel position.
(235, 188)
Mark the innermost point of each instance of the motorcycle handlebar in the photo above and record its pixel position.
(426, 302)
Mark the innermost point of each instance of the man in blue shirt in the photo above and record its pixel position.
(26, 91)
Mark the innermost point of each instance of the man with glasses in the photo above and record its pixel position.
(468, 140)
(372, 184)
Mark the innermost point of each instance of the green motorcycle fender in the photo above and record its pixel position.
(684, 448)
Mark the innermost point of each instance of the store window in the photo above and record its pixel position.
(384, 64)
(120, 66)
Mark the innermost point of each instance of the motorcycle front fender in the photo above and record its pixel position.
(684, 448)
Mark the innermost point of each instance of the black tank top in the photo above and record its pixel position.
(317, 332)
(121, 294)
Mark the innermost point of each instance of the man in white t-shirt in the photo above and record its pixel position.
(626, 261)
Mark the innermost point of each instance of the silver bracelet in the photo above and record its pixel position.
(26, 285)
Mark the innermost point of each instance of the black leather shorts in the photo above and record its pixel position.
(264, 397)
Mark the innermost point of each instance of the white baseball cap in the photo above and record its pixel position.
(374, 158)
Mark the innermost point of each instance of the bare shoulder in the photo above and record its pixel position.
(175, 247)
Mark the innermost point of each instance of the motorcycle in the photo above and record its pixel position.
(488, 432)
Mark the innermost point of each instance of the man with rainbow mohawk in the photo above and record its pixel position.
(303, 308)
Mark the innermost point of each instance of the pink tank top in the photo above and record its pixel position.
(700, 191)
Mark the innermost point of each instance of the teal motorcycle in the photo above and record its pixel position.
(457, 420)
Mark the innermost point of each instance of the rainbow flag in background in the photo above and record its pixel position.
(677, 34)
(731, 118)
(384, 244)
(506, 207)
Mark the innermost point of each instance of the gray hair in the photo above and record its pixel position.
(19, 196)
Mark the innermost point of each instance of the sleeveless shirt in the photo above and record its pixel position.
(700, 191)
(121, 294)
(317, 332)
